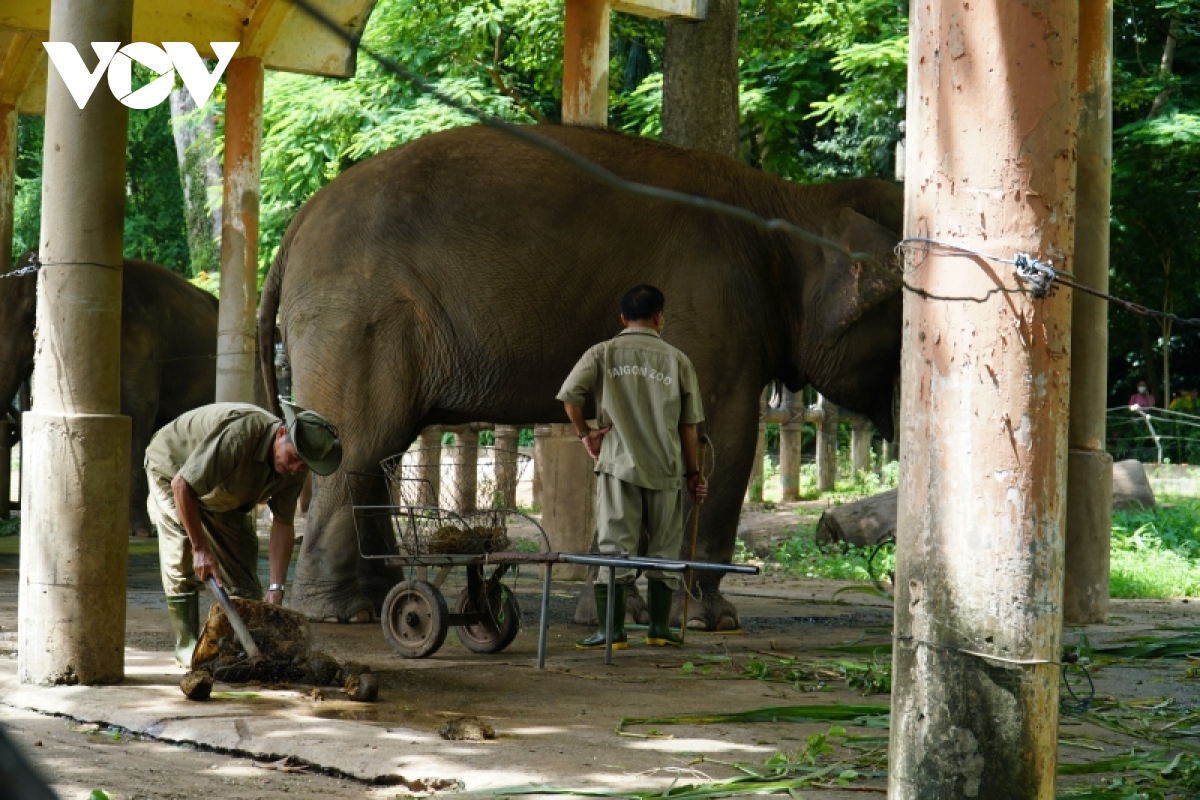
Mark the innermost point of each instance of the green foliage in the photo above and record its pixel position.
(10, 526)
(1156, 551)
(802, 556)
(27, 205)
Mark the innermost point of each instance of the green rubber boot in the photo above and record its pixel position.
(596, 641)
(185, 621)
(658, 634)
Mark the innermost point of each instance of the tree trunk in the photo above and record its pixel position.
(1166, 66)
(700, 81)
(1151, 375)
(199, 170)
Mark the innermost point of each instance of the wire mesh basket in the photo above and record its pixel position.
(458, 499)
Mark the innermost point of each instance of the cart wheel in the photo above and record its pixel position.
(498, 630)
(415, 619)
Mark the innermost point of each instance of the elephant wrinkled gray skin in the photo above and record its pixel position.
(168, 351)
(459, 277)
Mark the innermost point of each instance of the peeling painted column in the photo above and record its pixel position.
(569, 495)
(1089, 466)
(8, 184)
(429, 466)
(75, 508)
(585, 63)
(239, 231)
(992, 115)
(827, 443)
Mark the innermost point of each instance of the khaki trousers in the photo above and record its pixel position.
(623, 510)
(231, 537)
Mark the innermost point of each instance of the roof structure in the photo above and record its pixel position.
(274, 30)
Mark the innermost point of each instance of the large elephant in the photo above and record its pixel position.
(168, 352)
(459, 277)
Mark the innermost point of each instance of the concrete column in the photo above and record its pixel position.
(827, 446)
(569, 497)
(754, 492)
(992, 116)
(429, 467)
(8, 184)
(75, 509)
(464, 470)
(1089, 466)
(239, 231)
(505, 462)
(585, 63)
(540, 434)
(860, 446)
(7, 437)
(790, 433)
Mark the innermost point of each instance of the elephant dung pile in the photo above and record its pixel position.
(285, 644)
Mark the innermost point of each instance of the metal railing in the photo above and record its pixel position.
(1153, 434)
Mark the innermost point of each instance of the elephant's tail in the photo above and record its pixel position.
(268, 308)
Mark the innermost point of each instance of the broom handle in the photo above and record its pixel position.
(687, 584)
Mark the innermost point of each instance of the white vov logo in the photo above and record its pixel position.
(171, 57)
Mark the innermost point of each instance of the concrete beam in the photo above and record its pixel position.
(236, 334)
(694, 10)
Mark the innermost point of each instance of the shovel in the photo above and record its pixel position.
(239, 627)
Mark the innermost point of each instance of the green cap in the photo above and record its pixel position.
(316, 439)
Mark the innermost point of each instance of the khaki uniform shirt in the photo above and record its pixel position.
(645, 389)
(224, 452)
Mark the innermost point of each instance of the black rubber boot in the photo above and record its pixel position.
(596, 641)
(185, 621)
(658, 634)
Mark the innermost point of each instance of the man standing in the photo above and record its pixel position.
(648, 405)
(207, 470)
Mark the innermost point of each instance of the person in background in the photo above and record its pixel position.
(1142, 398)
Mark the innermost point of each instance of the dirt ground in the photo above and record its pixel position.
(554, 727)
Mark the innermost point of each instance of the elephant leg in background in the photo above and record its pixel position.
(732, 429)
(140, 402)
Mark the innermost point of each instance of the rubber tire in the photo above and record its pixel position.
(489, 636)
(423, 634)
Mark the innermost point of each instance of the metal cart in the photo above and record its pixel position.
(436, 510)
(428, 512)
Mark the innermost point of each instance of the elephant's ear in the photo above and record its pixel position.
(850, 289)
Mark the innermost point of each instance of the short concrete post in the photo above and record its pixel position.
(540, 434)
(860, 446)
(429, 467)
(236, 334)
(569, 495)
(504, 460)
(754, 492)
(585, 63)
(75, 509)
(790, 437)
(8, 184)
(464, 470)
(827, 446)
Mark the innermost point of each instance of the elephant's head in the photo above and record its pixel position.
(848, 338)
(18, 301)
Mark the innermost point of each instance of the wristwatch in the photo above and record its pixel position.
(277, 587)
